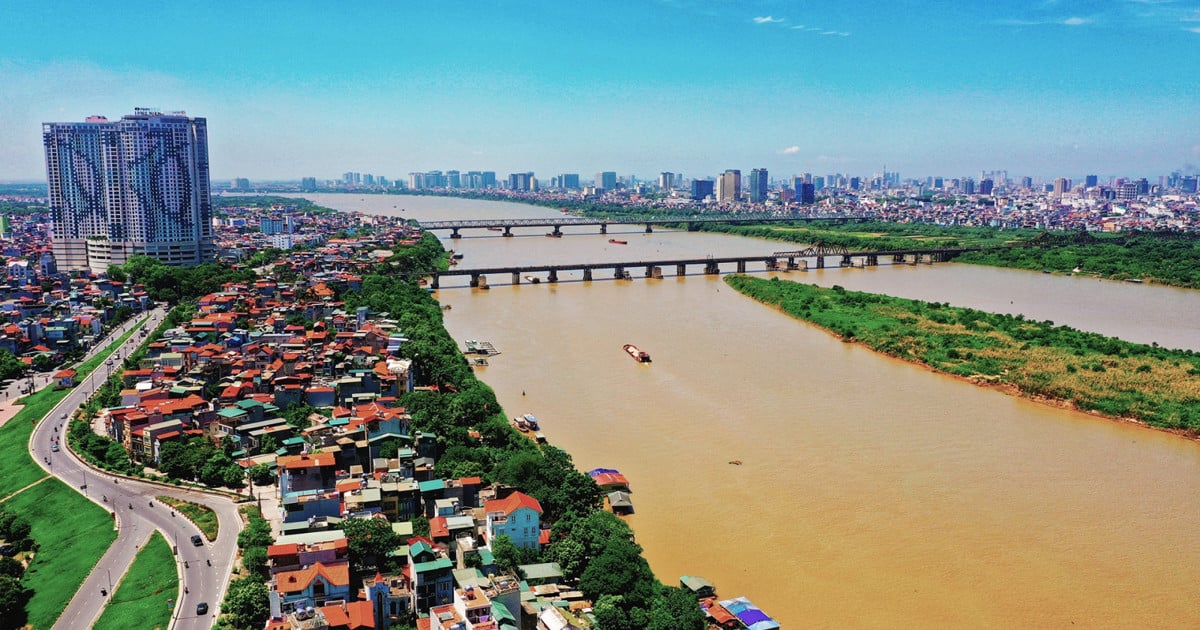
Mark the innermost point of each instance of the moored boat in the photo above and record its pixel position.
(637, 353)
(531, 421)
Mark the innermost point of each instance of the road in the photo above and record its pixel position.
(204, 570)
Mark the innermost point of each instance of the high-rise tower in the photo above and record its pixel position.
(137, 186)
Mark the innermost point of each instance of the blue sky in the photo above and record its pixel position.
(1043, 88)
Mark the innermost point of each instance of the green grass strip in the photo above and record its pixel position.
(146, 595)
(203, 516)
(72, 534)
(17, 468)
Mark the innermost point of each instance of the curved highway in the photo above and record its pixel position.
(204, 569)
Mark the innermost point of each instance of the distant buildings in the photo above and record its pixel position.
(137, 186)
(758, 185)
(729, 186)
(606, 180)
(702, 189)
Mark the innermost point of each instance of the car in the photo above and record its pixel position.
(54, 447)
(202, 608)
(196, 540)
(63, 417)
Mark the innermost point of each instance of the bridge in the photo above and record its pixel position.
(557, 223)
(777, 261)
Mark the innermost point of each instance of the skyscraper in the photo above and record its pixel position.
(729, 186)
(138, 186)
(606, 180)
(701, 188)
(758, 185)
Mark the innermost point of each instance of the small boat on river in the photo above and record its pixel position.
(617, 242)
(531, 421)
(639, 355)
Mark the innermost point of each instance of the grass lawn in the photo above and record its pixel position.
(17, 468)
(72, 534)
(203, 516)
(141, 600)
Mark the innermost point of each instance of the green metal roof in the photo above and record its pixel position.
(432, 484)
(436, 565)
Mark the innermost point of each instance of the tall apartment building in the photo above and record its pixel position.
(137, 186)
(606, 180)
(758, 185)
(729, 186)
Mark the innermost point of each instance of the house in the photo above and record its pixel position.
(517, 516)
(311, 586)
(65, 378)
(430, 574)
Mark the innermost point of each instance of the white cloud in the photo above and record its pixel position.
(1193, 30)
(791, 150)
(767, 19)
(836, 33)
(798, 27)
(1077, 21)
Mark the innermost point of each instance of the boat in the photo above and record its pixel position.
(532, 279)
(735, 462)
(540, 437)
(531, 421)
(495, 229)
(637, 353)
(616, 242)
(521, 424)
(554, 234)
(457, 256)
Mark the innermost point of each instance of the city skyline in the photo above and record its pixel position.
(1046, 89)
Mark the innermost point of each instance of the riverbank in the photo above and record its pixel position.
(1048, 363)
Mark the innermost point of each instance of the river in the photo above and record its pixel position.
(873, 493)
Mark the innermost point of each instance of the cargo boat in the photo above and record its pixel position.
(638, 354)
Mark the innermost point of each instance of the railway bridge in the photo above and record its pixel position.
(795, 260)
(505, 226)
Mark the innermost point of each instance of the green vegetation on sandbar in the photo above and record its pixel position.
(1096, 373)
(1164, 258)
(876, 235)
(146, 594)
(72, 533)
(203, 516)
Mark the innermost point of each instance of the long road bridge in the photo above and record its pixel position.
(557, 223)
(777, 261)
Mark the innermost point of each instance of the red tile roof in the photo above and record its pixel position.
(513, 502)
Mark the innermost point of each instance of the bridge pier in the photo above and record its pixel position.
(604, 228)
(619, 273)
(649, 228)
(846, 262)
(681, 270)
(454, 233)
(711, 268)
(820, 262)
(897, 259)
(516, 277)
(474, 280)
(553, 275)
(791, 263)
(508, 230)
(772, 264)
(692, 226)
(557, 232)
(741, 266)
(803, 266)
(587, 274)
(872, 260)
(433, 284)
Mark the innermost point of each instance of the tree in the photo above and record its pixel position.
(507, 555)
(261, 474)
(676, 609)
(619, 570)
(13, 597)
(268, 444)
(371, 541)
(610, 613)
(247, 603)
(11, 567)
